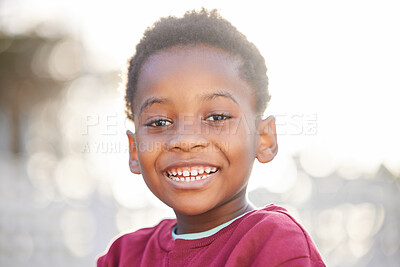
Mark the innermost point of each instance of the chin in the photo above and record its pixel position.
(191, 210)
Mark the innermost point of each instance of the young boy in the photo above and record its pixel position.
(196, 91)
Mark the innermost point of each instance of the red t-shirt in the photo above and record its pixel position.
(266, 237)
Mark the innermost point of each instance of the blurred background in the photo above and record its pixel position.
(65, 186)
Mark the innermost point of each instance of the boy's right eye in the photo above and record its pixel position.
(158, 123)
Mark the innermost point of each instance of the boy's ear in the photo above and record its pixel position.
(267, 146)
(133, 158)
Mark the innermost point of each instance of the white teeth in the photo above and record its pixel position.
(197, 173)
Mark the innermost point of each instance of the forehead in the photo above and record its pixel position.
(189, 59)
(190, 70)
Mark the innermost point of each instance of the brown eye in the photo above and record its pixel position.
(217, 117)
(158, 123)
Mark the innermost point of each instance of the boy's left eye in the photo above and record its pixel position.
(217, 117)
(159, 123)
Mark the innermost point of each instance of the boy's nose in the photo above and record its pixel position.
(187, 137)
(187, 142)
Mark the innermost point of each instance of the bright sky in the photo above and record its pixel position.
(336, 63)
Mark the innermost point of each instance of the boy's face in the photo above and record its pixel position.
(195, 129)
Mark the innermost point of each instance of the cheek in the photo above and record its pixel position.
(148, 148)
(238, 140)
(147, 154)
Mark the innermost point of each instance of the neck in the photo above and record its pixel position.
(212, 218)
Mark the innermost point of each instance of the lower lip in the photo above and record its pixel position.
(196, 184)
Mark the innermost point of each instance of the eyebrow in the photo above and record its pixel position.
(208, 97)
(204, 97)
(152, 100)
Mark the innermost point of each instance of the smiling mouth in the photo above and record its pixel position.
(190, 174)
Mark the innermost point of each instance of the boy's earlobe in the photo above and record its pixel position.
(133, 158)
(267, 146)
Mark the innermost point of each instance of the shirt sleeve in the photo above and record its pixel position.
(100, 261)
(303, 261)
(275, 239)
(293, 245)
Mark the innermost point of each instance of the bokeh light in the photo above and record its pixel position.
(278, 176)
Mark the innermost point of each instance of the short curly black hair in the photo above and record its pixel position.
(199, 27)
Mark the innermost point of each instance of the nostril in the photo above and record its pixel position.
(188, 143)
(198, 146)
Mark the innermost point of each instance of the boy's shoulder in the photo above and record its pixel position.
(273, 221)
(273, 217)
(278, 231)
(131, 245)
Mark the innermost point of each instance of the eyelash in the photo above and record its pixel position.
(221, 117)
